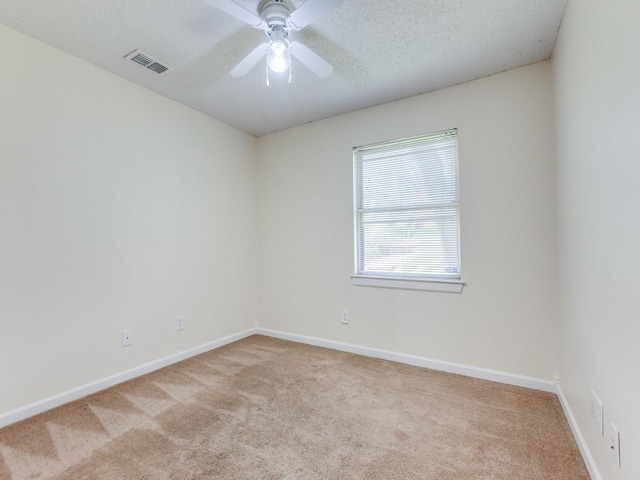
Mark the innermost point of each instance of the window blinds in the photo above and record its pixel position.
(407, 208)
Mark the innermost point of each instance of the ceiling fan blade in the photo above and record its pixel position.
(235, 10)
(310, 11)
(250, 61)
(311, 59)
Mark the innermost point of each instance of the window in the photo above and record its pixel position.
(407, 213)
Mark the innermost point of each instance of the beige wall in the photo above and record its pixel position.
(118, 209)
(506, 318)
(597, 98)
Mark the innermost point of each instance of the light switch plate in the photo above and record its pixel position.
(599, 418)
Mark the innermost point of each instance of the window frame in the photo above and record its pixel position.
(404, 281)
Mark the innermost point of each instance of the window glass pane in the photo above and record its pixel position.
(423, 242)
(418, 176)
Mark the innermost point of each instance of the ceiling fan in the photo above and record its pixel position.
(278, 20)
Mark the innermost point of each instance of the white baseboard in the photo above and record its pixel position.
(65, 397)
(577, 434)
(476, 372)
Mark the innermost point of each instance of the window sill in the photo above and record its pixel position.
(446, 286)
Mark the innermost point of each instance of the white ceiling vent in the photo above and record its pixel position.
(147, 61)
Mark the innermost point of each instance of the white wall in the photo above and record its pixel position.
(506, 318)
(597, 98)
(118, 209)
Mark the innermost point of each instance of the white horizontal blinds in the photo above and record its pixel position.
(407, 208)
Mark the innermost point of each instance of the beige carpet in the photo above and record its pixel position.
(267, 409)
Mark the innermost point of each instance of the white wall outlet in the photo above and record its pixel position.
(345, 318)
(615, 444)
(593, 406)
(127, 337)
(599, 418)
(180, 323)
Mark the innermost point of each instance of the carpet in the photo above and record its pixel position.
(267, 409)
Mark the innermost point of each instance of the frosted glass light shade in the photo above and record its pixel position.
(278, 57)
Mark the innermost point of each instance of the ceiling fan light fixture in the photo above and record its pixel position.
(278, 20)
(278, 57)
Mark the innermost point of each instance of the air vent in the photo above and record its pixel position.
(147, 61)
(157, 67)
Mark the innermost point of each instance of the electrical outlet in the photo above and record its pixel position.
(593, 406)
(345, 317)
(180, 323)
(615, 444)
(127, 337)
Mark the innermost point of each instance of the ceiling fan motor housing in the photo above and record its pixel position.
(275, 12)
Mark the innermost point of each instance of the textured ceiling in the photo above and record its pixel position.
(381, 50)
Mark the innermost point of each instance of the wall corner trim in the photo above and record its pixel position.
(466, 370)
(54, 401)
(577, 434)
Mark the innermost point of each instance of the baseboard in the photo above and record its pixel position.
(577, 434)
(65, 397)
(466, 370)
